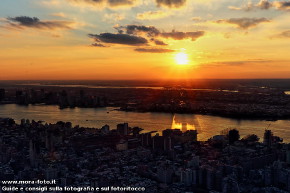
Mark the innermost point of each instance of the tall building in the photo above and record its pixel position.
(161, 143)
(33, 153)
(23, 121)
(230, 185)
(187, 177)
(2, 94)
(165, 173)
(167, 143)
(158, 142)
(268, 137)
(202, 176)
(123, 129)
(171, 132)
(288, 154)
(210, 179)
(146, 139)
(268, 175)
(194, 162)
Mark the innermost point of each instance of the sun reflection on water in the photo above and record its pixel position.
(178, 122)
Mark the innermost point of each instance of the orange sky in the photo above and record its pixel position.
(132, 39)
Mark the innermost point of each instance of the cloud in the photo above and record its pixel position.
(21, 22)
(152, 15)
(140, 35)
(125, 39)
(264, 5)
(183, 35)
(154, 50)
(244, 23)
(170, 3)
(106, 3)
(60, 14)
(248, 7)
(196, 19)
(284, 34)
(98, 45)
(49, 3)
(116, 3)
(150, 31)
(282, 5)
(160, 43)
(234, 8)
(238, 62)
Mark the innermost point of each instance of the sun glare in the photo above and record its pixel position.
(181, 58)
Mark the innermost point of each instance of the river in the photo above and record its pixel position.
(206, 125)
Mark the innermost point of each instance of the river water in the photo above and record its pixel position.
(206, 125)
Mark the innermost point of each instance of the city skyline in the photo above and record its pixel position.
(135, 39)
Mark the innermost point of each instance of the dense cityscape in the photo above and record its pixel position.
(77, 157)
(72, 158)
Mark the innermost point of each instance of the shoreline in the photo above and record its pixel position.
(117, 108)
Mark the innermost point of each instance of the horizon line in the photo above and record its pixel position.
(193, 79)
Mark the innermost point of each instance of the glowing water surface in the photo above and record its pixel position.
(206, 125)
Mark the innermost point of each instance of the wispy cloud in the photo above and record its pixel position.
(183, 35)
(237, 62)
(264, 5)
(244, 23)
(98, 45)
(59, 14)
(22, 22)
(152, 15)
(171, 3)
(160, 43)
(154, 50)
(105, 3)
(284, 34)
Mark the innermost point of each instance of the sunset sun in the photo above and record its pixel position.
(181, 58)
